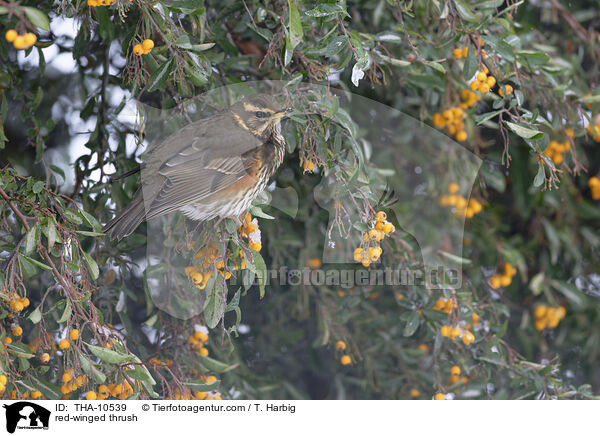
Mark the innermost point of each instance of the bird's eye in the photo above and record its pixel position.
(260, 114)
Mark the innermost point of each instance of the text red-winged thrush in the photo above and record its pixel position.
(211, 168)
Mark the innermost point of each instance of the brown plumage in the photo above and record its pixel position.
(211, 168)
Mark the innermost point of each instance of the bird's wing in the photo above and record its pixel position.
(208, 164)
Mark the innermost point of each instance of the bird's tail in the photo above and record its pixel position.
(127, 221)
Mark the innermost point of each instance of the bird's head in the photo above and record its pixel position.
(260, 114)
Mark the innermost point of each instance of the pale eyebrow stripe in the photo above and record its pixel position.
(251, 107)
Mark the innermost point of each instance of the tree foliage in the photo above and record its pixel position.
(516, 83)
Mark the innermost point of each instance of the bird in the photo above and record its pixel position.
(213, 167)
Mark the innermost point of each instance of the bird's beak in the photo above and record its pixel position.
(281, 113)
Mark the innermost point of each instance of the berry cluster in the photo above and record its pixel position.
(461, 206)
(198, 395)
(455, 376)
(197, 340)
(445, 305)
(594, 130)
(144, 48)
(507, 88)
(453, 120)
(505, 279)
(456, 332)
(249, 229)
(555, 151)
(308, 166)
(459, 53)
(548, 317)
(71, 383)
(345, 359)
(20, 42)
(483, 83)
(468, 99)
(594, 184)
(94, 3)
(200, 274)
(372, 238)
(15, 302)
(35, 394)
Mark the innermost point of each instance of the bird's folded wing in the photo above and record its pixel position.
(193, 179)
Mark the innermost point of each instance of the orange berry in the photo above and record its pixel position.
(17, 331)
(495, 282)
(19, 42)
(64, 344)
(29, 39)
(74, 334)
(11, 35)
(445, 331)
(439, 396)
(45, 358)
(7, 340)
(346, 360)
(91, 395)
(461, 136)
(138, 50)
(147, 45)
(455, 370)
(468, 338)
(340, 345)
(414, 392)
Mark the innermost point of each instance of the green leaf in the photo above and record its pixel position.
(539, 177)
(214, 306)
(465, 11)
(454, 258)
(20, 350)
(66, 313)
(326, 10)
(92, 266)
(202, 386)
(52, 233)
(35, 316)
(534, 58)
(215, 365)
(480, 119)
(49, 391)
(471, 63)
(261, 271)
(160, 76)
(90, 369)
(109, 356)
(536, 283)
(524, 132)
(295, 25)
(30, 239)
(37, 18)
(412, 324)
(36, 263)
